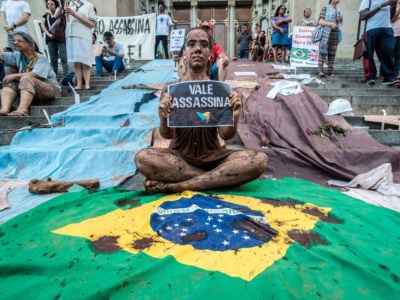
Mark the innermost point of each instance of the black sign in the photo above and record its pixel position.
(200, 104)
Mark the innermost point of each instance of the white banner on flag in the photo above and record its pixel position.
(137, 34)
(304, 52)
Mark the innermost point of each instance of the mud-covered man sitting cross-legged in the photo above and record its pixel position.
(195, 159)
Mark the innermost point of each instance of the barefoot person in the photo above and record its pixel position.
(31, 77)
(195, 160)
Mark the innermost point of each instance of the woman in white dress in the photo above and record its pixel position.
(82, 19)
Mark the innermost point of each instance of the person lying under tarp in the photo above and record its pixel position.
(195, 160)
(300, 139)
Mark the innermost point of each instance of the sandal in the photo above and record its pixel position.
(16, 113)
(155, 187)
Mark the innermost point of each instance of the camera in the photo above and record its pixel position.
(104, 49)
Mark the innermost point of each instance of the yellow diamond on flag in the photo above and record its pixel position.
(134, 231)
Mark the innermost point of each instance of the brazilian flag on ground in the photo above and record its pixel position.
(284, 239)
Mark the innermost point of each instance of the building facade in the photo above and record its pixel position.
(227, 16)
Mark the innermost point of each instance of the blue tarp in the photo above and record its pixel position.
(97, 140)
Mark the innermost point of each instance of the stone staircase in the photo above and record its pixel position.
(365, 99)
(10, 124)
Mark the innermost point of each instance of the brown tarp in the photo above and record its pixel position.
(279, 126)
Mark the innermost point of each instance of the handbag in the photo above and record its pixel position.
(316, 35)
(57, 29)
(360, 48)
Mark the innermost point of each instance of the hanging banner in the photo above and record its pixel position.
(304, 52)
(137, 34)
(200, 104)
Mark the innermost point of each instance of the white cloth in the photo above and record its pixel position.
(79, 50)
(7, 186)
(380, 180)
(14, 9)
(79, 36)
(284, 87)
(375, 198)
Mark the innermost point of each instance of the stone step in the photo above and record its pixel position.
(67, 100)
(363, 99)
(353, 89)
(37, 111)
(9, 124)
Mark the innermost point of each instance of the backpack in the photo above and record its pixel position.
(68, 78)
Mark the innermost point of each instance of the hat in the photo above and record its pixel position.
(107, 35)
(206, 24)
(339, 106)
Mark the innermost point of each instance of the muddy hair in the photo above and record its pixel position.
(210, 42)
(210, 38)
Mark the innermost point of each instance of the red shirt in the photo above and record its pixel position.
(215, 52)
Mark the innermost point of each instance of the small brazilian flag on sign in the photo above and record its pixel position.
(284, 239)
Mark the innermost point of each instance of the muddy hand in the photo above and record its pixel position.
(164, 107)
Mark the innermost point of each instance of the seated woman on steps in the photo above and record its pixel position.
(34, 77)
(195, 160)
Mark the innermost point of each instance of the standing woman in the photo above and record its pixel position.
(280, 32)
(82, 18)
(57, 48)
(331, 20)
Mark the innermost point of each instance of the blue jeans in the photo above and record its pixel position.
(214, 71)
(3, 71)
(164, 40)
(110, 65)
(381, 41)
(58, 51)
(244, 53)
(397, 55)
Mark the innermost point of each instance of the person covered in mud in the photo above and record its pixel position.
(195, 159)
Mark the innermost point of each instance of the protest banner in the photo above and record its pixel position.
(304, 52)
(200, 104)
(136, 34)
(177, 39)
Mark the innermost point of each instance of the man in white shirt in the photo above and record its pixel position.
(163, 28)
(379, 39)
(15, 18)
